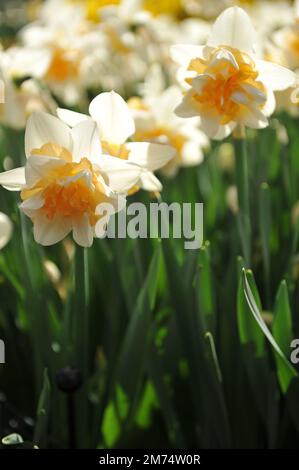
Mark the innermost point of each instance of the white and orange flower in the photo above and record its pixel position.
(66, 179)
(155, 121)
(116, 125)
(227, 84)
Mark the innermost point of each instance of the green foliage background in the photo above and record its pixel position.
(177, 348)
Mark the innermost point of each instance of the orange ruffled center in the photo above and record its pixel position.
(229, 87)
(71, 190)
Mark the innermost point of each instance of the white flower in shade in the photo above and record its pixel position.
(5, 230)
(228, 84)
(116, 125)
(66, 181)
(284, 44)
(155, 121)
(18, 101)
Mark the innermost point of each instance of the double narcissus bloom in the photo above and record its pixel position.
(67, 184)
(228, 85)
(116, 125)
(155, 121)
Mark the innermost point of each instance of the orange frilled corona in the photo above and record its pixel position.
(69, 190)
(227, 86)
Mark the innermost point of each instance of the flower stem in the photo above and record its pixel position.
(82, 308)
(243, 192)
(81, 324)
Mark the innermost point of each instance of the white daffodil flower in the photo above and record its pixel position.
(228, 85)
(116, 125)
(155, 121)
(19, 101)
(5, 230)
(61, 55)
(66, 180)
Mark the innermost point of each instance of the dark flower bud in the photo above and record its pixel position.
(69, 379)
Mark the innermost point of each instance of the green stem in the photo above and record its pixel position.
(243, 193)
(81, 308)
(81, 336)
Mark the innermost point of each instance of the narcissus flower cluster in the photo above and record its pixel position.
(80, 158)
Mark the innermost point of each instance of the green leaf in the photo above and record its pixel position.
(207, 394)
(148, 402)
(111, 426)
(265, 226)
(43, 409)
(204, 289)
(249, 331)
(282, 323)
(254, 348)
(136, 340)
(286, 372)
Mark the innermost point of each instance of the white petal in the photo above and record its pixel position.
(183, 53)
(113, 117)
(162, 105)
(270, 104)
(186, 108)
(214, 129)
(254, 118)
(224, 131)
(194, 134)
(119, 174)
(86, 141)
(258, 95)
(33, 203)
(150, 156)
(105, 210)
(5, 230)
(101, 226)
(275, 76)
(239, 97)
(115, 204)
(82, 231)
(42, 128)
(13, 180)
(149, 182)
(223, 55)
(50, 231)
(144, 120)
(39, 166)
(210, 125)
(192, 154)
(199, 82)
(29, 61)
(233, 28)
(71, 118)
